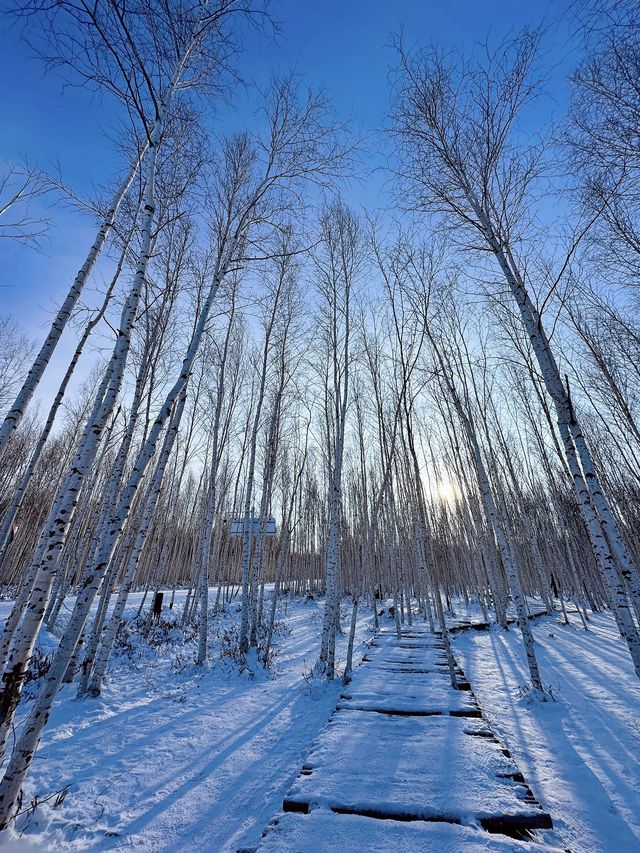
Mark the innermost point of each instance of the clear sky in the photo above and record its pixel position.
(342, 44)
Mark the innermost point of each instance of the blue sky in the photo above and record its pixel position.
(341, 45)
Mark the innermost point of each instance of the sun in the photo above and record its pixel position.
(447, 491)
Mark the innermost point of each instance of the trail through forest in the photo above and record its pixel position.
(306, 364)
(170, 756)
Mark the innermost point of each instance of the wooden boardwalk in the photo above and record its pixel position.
(407, 763)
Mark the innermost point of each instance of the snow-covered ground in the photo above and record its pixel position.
(581, 753)
(173, 759)
(170, 758)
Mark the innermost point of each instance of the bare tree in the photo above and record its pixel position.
(256, 183)
(483, 191)
(146, 57)
(20, 188)
(15, 354)
(338, 267)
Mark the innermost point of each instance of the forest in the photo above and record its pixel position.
(320, 403)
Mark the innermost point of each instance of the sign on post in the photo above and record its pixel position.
(236, 527)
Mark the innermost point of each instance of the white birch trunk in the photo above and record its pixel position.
(207, 533)
(247, 531)
(505, 551)
(43, 566)
(265, 501)
(60, 518)
(567, 424)
(17, 610)
(27, 743)
(106, 645)
(332, 562)
(17, 410)
(37, 452)
(494, 520)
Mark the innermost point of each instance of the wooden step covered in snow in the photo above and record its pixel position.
(323, 831)
(383, 690)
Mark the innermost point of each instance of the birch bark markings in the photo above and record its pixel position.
(337, 272)
(600, 523)
(64, 508)
(108, 637)
(18, 497)
(301, 145)
(440, 113)
(56, 530)
(26, 745)
(493, 517)
(16, 412)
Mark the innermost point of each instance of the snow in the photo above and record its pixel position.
(410, 767)
(170, 758)
(175, 758)
(580, 754)
(376, 687)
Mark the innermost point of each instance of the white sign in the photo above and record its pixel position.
(236, 527)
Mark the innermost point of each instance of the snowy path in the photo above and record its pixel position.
(406, 763)
(174, 759)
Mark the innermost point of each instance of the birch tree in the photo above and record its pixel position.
(337, 271)
(604, 118)
(217, 447)
(144, 55)
(484, 192)
(301, 144)
(275, 294)
(184, 44)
